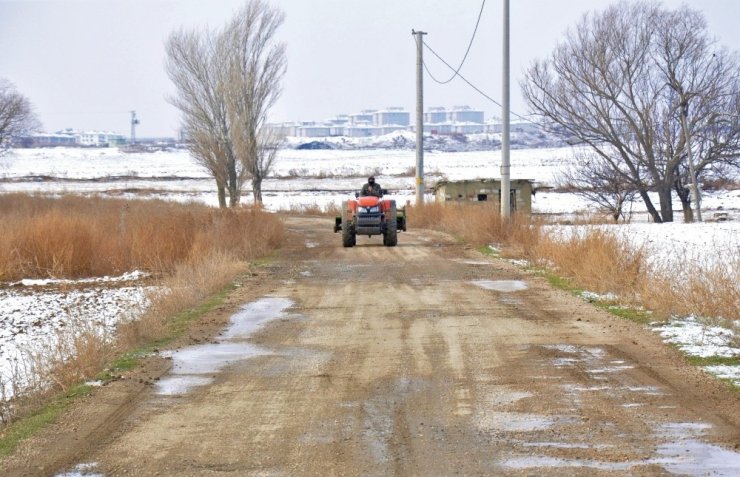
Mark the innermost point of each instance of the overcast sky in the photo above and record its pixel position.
(86, 63)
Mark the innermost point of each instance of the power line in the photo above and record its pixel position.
(469, 83)
(470, 44)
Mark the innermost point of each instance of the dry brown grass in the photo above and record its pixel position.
(701, 289)
(77, 237)
(479, 224)
(596, 260)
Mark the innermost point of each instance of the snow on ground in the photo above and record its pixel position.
(135, 275)
(304, 178)
(699, 339)
(704, 340)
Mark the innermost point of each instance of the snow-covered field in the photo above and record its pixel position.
(301, 177)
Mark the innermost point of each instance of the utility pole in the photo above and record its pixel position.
(692, 171)
(419, 116)
(506, 119)
(134, 122)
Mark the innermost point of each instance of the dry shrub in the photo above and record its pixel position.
(699, 289)
(77, 355)
(76, 237)
(596, 260)
(478, 224)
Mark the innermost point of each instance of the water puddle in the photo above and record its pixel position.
(678, 451)
(473, 262)
(501, 285)
(567, 445)
(195, 365)
(81, 470)
(550, 462)
(692, 457)
(563, 348)
(610, 369)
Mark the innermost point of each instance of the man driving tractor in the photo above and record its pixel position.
(371, 188)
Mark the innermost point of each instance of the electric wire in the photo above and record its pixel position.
(465, 57)
(470, 84)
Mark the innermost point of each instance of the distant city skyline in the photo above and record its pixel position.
(84, 64)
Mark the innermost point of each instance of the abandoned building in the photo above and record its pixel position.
(486, 190)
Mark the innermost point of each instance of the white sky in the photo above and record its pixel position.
(85, 63)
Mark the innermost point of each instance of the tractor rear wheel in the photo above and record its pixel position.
(348, 233)
(390, 238)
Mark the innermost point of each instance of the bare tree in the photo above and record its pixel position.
(16, 115)
(618, 83)
(594, 178)
(257, 64)
(226, 80)
(194, 63)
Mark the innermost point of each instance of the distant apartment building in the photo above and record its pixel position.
(395, 116)
(361, 130)
(466, 114)
(70, 137)
(366, 123)
(48, 140)
(458, 114)
(101, 139)
(436, 115)
(458, 120)
(363, 117)
(314, 130)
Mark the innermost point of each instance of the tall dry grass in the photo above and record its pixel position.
(597, 260)
(76, 237)
(479, 224)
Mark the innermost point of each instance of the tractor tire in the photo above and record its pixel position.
(390, 238)
(349, 239)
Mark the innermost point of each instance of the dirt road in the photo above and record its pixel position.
(423, 359)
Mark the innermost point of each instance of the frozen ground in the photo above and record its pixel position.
(301, 177)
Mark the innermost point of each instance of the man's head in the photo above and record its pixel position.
(371, 180)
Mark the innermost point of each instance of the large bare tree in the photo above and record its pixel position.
(620, 81)
(226, 81)
(257, 64)
(16, 114)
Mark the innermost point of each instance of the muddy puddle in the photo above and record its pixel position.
(81, 470)
(683, 455)
(196, 365)
(501, 285)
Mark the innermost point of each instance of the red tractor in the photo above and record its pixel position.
(370, 215)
